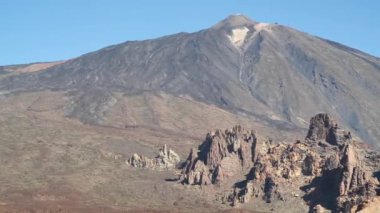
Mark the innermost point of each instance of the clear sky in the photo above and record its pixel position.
(48, 30)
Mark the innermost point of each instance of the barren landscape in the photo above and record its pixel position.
(261, 116)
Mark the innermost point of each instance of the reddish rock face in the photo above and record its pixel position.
(355, 182)
(221, 155)
(331, 175)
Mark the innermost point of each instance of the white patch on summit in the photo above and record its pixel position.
(238, 36)
(261, 26)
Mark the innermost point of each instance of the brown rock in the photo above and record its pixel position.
(349, 184)
(324, 127)
(189, 165)
(218, 175)
(332, 162)
(355, 185)
(222, 155)
(333, 172)
(218, 149)
(320, 126)
(311, 165)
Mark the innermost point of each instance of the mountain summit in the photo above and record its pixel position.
(275, 74)
(235, 21)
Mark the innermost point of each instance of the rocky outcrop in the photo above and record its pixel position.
(222, 155)
(166, 159)
(326, 168)
(320, 127)
(140, 161)
(275, 168)
(324, 127)
(349, 180)
(311, 164)
(355, 183)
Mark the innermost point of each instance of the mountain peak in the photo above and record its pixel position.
(238, 19)
(234, 21)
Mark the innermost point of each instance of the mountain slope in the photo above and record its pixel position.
(274, 73)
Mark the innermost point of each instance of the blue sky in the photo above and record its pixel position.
(48, 30)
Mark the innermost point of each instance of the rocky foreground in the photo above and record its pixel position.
(335, 172)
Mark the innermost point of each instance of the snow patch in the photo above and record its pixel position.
(261, 26)
(238, 36)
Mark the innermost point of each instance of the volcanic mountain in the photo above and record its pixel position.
(69, 127)
(275, 74)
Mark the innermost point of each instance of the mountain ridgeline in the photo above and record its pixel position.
(268, 71)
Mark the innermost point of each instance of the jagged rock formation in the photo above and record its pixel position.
(222, 155)
(166, 159)
(345, 183)
(354, 182)
(326, 168)
(320, 127)
(324, 127)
